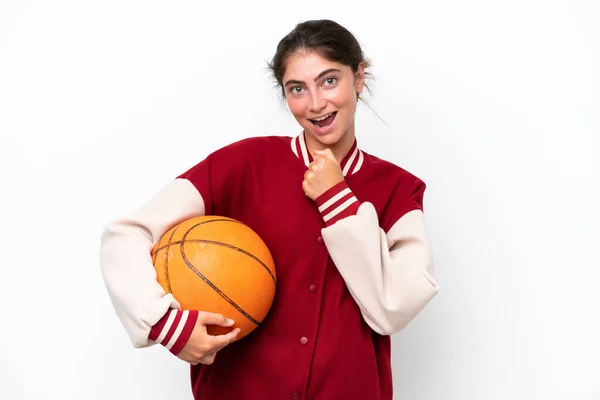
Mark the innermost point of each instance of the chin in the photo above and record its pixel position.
(328, 139)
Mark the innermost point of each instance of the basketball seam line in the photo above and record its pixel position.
(167, 262)
(199, 274)
(181, 242)
(216, 289)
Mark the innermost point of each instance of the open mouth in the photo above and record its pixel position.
(324, 121)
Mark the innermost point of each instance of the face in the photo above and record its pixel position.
(321, 94)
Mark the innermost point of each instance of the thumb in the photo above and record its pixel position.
(327, 153)
(207, 318)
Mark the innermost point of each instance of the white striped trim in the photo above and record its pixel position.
(359, 163)
(304, 150)
(350, 161)
(332, 200)
(180, 326)
(300, 140)
(293, 144)
(340, 208)
(167, 326)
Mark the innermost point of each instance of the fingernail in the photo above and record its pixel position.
(230, 321)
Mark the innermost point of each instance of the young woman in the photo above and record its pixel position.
(345, 229)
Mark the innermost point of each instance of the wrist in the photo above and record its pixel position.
(174, 329)
(337, 203)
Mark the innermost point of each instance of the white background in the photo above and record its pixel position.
(493, 103)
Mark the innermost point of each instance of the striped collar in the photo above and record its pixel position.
(350, 164)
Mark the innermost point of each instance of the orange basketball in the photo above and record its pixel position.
(220, 265)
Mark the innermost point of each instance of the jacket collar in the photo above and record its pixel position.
(351, 163)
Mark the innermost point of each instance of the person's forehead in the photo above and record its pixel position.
(307, 65)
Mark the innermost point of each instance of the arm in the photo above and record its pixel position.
(148, 314)
(389, 274)
(129, 275)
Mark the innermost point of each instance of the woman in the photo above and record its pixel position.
(345, 229)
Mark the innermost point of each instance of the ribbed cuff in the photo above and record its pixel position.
(174, 329)
(337, 203)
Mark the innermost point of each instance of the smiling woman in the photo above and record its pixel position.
(321, 70)
(323, 106)
(346, 231)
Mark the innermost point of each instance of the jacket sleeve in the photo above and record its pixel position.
(148, 314)
(389, 274)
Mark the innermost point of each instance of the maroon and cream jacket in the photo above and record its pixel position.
(353, 267)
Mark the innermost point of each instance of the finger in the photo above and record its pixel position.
(220, 341)
(327, 153)
(208, 359)
(207, 318)
(306, 189)
(323, 152)
(321, 160)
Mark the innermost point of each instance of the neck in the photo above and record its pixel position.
(339, 148)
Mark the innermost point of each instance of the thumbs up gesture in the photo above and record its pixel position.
(322, 174)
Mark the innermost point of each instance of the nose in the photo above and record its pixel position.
(317, 101)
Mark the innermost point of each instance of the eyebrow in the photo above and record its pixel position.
(296, 82)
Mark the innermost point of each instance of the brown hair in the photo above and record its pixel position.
(325, 37)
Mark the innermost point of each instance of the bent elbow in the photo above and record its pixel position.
(393, 317)
(390, 325)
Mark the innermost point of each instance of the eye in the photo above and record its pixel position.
(330, 81)
(296, 89)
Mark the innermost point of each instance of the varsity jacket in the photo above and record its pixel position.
(353, 267)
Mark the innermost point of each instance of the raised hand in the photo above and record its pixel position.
(322, 174)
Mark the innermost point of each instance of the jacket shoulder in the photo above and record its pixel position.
(395, 174)
(251, 145)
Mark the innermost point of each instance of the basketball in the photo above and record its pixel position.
(219, 265)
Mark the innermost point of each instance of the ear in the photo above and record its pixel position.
(359, 78)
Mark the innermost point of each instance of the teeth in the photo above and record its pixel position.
(322, 118)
